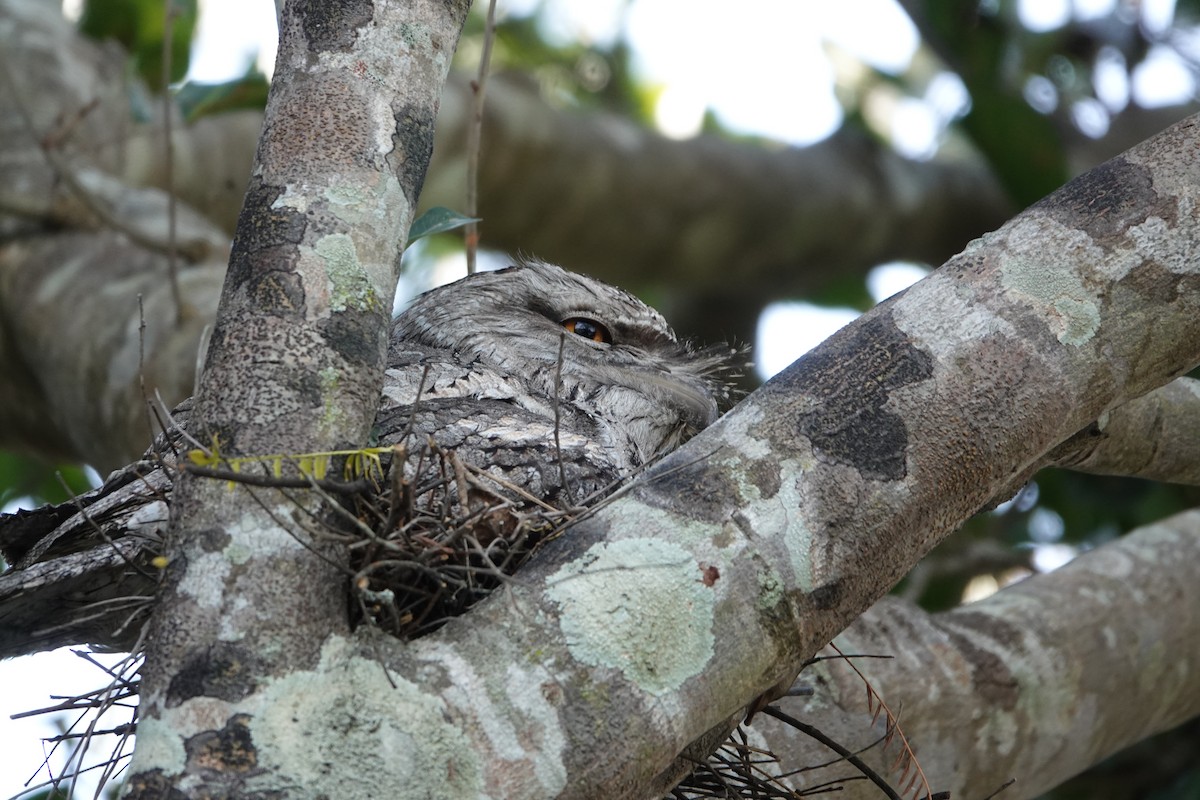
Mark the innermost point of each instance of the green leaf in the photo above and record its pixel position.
(197, 100)
(437, 220)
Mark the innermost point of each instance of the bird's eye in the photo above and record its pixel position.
(588, 329)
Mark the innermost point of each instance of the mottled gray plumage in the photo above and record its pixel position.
(496, 392)
(531, 373)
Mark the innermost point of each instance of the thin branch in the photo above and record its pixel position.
(170, 11)
(475, 136)
(271, 482)
(907, 756)
(836, 747)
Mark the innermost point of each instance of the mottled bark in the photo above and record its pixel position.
(89, 322)
(1152, 437)
(680, 217)
(1000, 689)
(251, 593)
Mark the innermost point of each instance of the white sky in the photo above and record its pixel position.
(763, 70)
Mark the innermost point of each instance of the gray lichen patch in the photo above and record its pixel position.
(349, 285)
(1034, 273)
(638, 606)
(313, 723)
(518, 718)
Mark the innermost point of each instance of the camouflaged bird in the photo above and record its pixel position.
(555, 385)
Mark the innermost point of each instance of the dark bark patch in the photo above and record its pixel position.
(690, 490)
(261, 225)
(151, 785)
(824, 598)
(230, 749)
(354, 335)
(413, 145)
(1158, 284)
(1106, 201)
(222, 670)
(261, 228)
(277, 291)
(333, 26)
(743, 523)
(213, 540)
(851, 378)
(765, 476)
(990, 676)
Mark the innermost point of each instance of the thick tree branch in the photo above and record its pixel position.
(809, 210)
(639, 207)
(654, 622)
(89, 317)
(75, 292)
(1153, 437)
(295, 365)
(1000, 689)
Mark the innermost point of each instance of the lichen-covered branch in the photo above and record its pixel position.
(88, 323)
(846, 202)
(1000, 689)
(296, 361)
(638, 206)
(653, 622)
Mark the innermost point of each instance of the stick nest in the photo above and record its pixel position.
(432, 546)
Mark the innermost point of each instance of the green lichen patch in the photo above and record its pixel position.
(639, 606)
(1073, 308)
(350, 287)
(311, 725)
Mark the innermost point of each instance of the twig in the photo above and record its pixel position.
(1003, 786)
(478, 475)
(475, 136)
(271, 482)
(893, 726)
(170, 11)
(836, 747)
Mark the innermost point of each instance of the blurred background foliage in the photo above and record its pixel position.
(1040, 107)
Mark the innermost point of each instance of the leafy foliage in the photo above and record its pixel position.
(140, 26)
(1022, 145)
(23, 476)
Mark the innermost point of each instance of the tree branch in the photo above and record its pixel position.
(1151, 437)
(1000, 689)
(296, 362)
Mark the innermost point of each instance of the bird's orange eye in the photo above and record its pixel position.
(588, 329)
